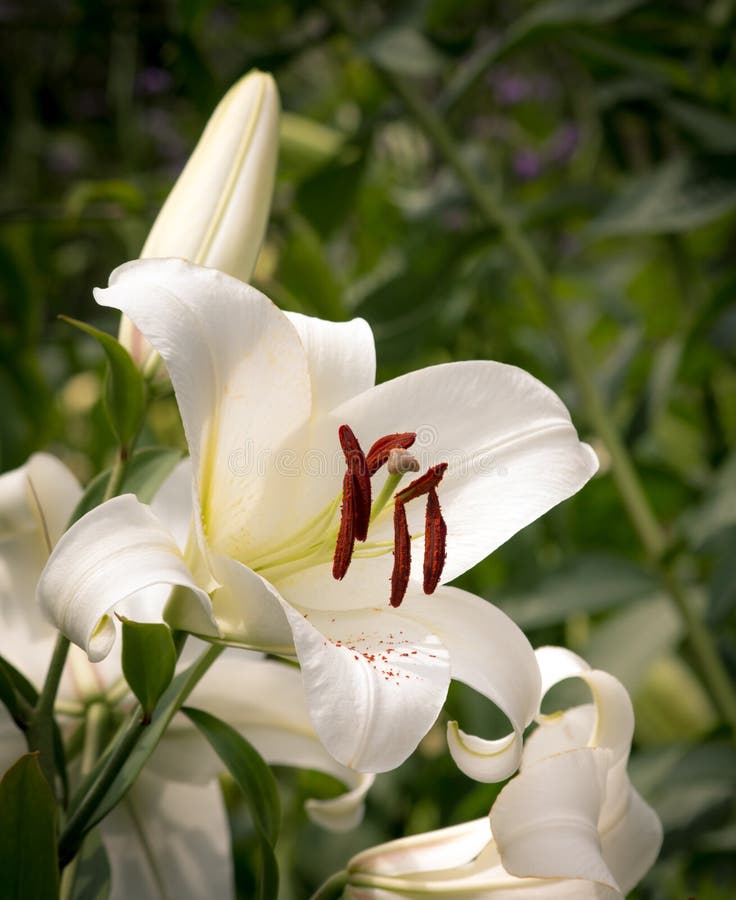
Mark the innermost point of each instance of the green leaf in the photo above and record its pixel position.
(24, 690)
(144, 475)
(628, 641)
(255, 779)
(125, 395)
(715, 130)
(149, 661)
(246, 766)
(591, 584)
(7, 693)
(673, 198)
(305, 275)
(28, 864)
(405, 50)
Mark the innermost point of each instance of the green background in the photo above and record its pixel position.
(607, 127)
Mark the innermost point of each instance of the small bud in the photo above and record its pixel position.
(400, 462)
(217, 212)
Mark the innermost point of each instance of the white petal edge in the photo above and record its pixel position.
(441, 849)
(341, 357)
(614, 721)
(491, 654)
(112, 552)
(545, 821)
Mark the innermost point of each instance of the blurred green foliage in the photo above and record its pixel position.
(609, 129)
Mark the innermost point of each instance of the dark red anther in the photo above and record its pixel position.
(435, 543)
(378, 454)
(402, 555)
(424, 484)
(358, 469)
(346, 534)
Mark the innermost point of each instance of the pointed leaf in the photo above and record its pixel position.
(125, 394)
(28, 864)
(149, 660)
(7, 693)
(25, 691)
(255, 779)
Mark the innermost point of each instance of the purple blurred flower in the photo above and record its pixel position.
(527, 165)
(563, 143)
(153, 80)
(510, 89)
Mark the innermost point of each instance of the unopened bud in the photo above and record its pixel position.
(217, 212)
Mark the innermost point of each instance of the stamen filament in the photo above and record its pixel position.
(386, 495)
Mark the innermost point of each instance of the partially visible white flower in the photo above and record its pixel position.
(569, 826)
(171, 829)
(217, 212)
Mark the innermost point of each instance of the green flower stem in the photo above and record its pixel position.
(333, 888)
(40, 734)
(117, 474)
(648, 528)
(96, 720)
(93, 789)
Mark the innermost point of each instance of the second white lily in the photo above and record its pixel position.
(569, 827)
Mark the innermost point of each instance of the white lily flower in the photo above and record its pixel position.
(273, 406)
(171, 829)
(217, 212)
(569, 826)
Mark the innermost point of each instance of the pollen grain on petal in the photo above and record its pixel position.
(402, 555)
(379, 452)
(435, 543)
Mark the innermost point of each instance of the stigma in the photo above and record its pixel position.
(392, 450)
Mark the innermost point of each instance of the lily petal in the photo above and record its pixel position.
(271, 712)
(36, 501)
(512, 450)
(365, 671)
(167, 839)
(491, 654)
(632, 845)
(613, 725)
(113, 551)
(341, 358)
(441, 849)
(545, 821)
(242, 384)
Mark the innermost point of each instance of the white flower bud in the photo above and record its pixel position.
(217, 212)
